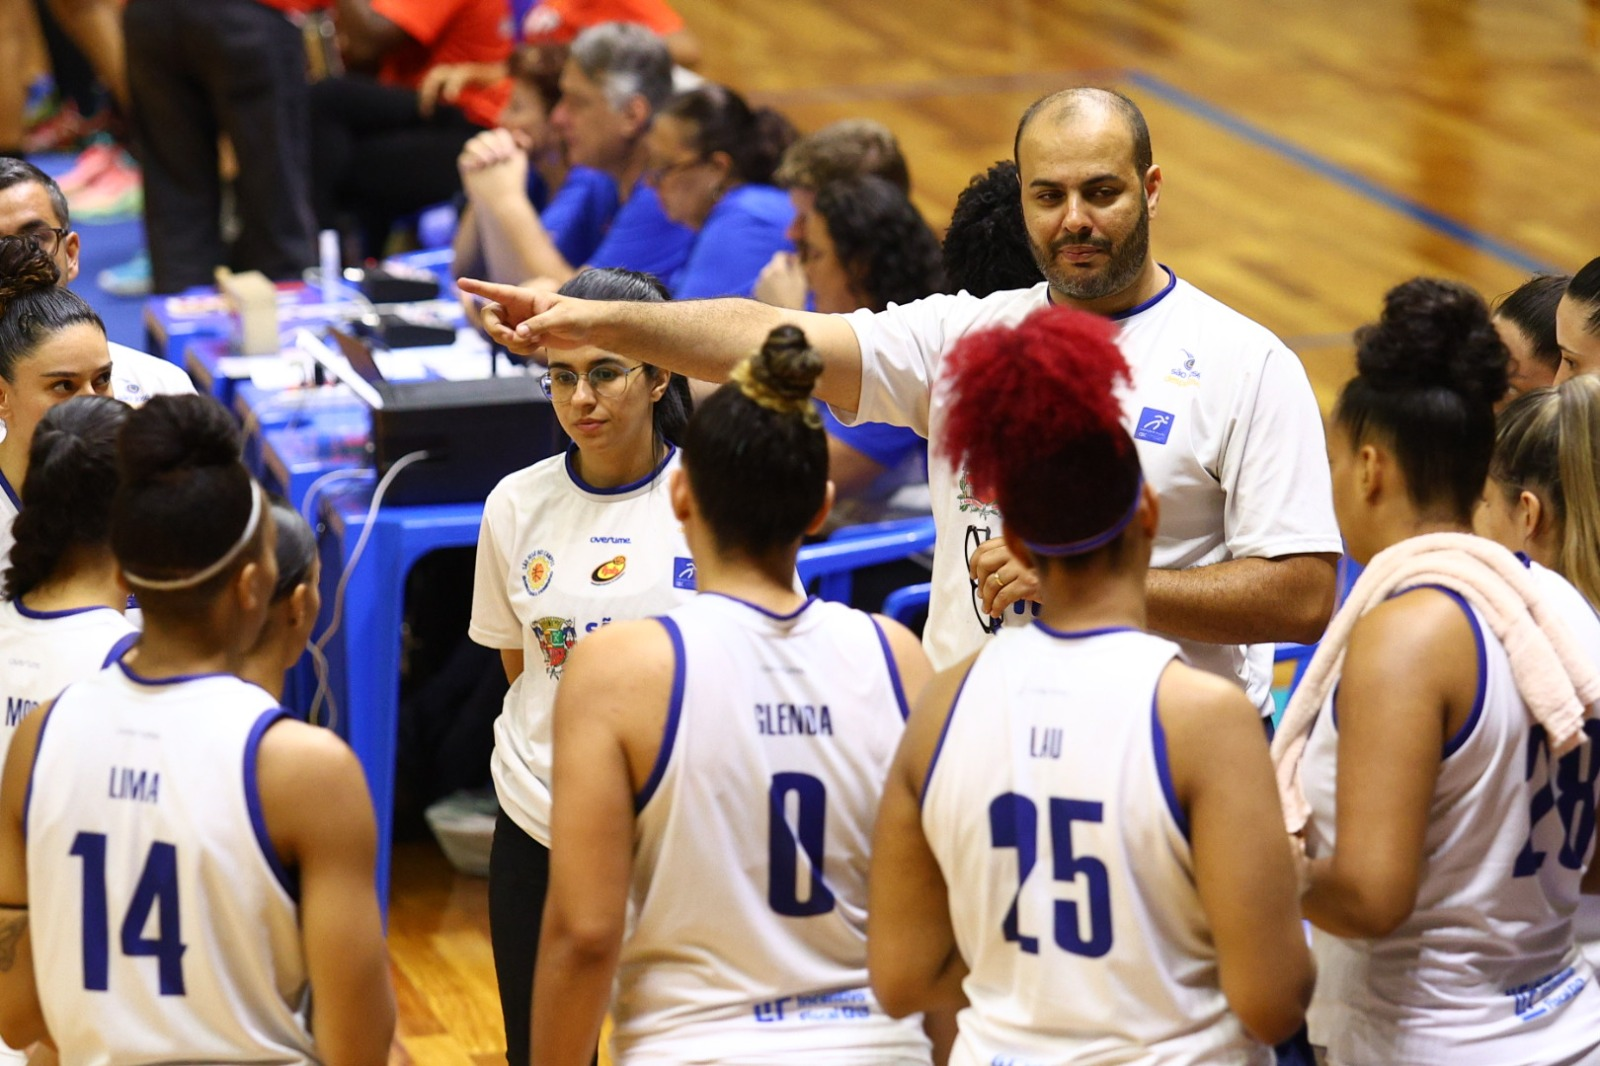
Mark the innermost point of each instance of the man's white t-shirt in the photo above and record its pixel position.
(135, 377)
(1227, 427)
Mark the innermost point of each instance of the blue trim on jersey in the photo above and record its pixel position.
(45, 616)
(1527, 563)
(38, 744)
(1158, 744)
(894, 671)
(927, 779)
(572, 472)
(1080, 634)
(252, 800)
(1172, 283)
(119, 649)
(774, 615)
(11, 493)
(153, 682)
(669, 735)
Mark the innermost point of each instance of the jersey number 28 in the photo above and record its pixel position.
(1014, 823)
(157, 891)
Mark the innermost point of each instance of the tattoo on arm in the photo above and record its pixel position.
(12, 926)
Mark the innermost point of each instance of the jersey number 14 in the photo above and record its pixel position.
(157, 891)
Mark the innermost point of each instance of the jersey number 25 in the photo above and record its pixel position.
(1014, 823)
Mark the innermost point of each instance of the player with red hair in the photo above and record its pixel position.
(1074, 807)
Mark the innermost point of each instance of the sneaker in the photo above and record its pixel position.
(116, 195)
(127, 279)
(92, 162)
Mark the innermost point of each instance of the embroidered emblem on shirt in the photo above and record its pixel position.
(555, 636)
(968, 501)
(1185, 375)
(683, 573)
(609, 571)
(536, 571)
(1154, 426)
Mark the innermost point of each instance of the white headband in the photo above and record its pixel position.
(215, 568)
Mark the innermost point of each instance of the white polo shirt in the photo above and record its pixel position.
(1227, 427)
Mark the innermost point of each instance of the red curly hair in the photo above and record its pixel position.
(1034, 420)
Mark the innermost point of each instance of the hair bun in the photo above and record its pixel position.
(175, 433)
(24, 267)
(1434, 334)
(786, 368)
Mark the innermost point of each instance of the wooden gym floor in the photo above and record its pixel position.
(1315, 153)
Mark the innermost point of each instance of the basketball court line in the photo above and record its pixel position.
(1237, 126)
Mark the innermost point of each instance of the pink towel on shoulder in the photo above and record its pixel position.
(1555, 679)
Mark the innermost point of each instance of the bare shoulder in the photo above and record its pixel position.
(1411, 626)
(621, 652)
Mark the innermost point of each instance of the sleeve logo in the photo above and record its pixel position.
(1154, 426)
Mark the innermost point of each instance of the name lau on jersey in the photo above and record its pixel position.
(1044, 743)
(793, 719)
(140, 786)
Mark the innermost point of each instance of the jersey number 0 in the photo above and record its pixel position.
(157, 891)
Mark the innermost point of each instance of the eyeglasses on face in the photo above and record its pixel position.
(605, 381)
(46, 238)
(657, 175)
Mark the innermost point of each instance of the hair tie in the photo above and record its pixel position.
(1098, 540)
(170, 584)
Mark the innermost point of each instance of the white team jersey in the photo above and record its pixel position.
(1485, 971)
(558, 558)
(1222, 413)
(1050, 809)
(42, 652)
(748, 904)
(164, 926)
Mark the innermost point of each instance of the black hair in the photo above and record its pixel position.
(671, 413)
(183, 500)
(881, 240)
(15, 171)
(1531, 307)
(539, 68)
(1428, 374)
(756, 454)
(1070, 100)
(721, 121)
(33, 305)
(986, 249)
(66, 499)
(1584, 288)
(296, 549)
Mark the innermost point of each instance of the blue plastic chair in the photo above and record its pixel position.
(828, 567)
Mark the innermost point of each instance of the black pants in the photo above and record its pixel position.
(197, 70)
(519, 880)
(376, 159)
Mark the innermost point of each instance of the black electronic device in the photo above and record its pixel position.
(475, 432)
(393, 285)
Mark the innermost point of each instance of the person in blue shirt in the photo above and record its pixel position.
(712, 158)
(611, 86)
(863, 244)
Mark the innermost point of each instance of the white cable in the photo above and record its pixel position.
(310, 497)
(337, 615)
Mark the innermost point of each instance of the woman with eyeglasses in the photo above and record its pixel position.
(568, 545)
(52, 348)
(712, 158)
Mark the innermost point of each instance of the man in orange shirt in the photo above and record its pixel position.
(232, 67)
(559, 22)
(379, 151)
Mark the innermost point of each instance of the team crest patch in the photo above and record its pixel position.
(536, 571)
(969, 501)
(683, 573)
(609, 571)
(1154, 426)
(1185, 375)
(555, 636)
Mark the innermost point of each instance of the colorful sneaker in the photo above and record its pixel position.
(59, 132)
(114, 196)
(92, 162)
(127, 279)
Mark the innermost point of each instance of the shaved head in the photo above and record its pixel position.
(1069, 103)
